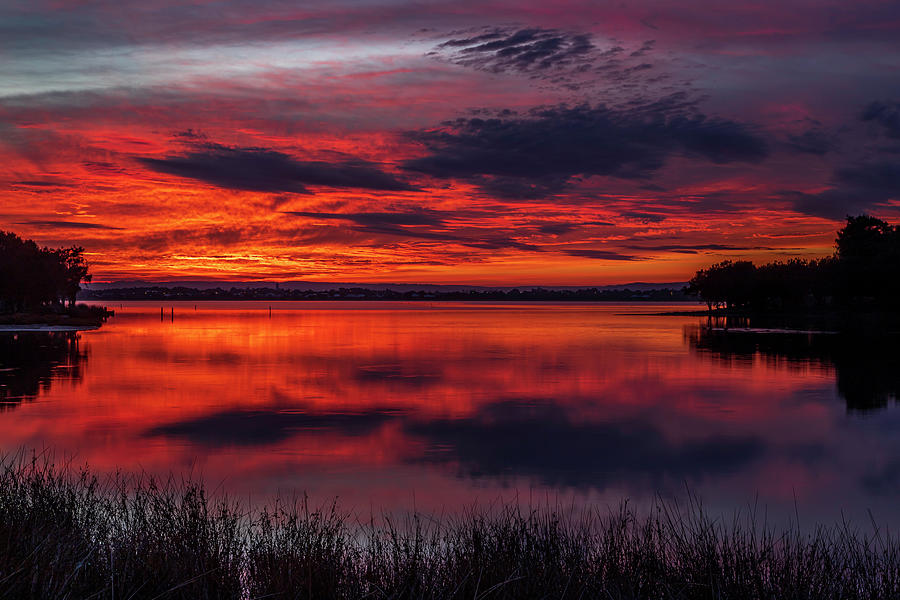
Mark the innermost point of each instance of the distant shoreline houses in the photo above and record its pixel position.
(164, 293)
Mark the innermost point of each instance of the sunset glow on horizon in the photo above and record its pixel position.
(490, 143)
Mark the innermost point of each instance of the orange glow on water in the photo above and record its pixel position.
(383, 402)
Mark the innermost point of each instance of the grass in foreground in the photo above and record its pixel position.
(66, 534)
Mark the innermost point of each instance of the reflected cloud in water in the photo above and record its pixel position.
(539, 440)
(268, 427)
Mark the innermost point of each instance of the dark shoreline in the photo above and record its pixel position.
(369, 294)
(77, 316)
(862, 322)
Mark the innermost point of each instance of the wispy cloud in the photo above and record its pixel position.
(67, 225)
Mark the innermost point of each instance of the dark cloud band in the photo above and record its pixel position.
(540, 153)
(265, 170)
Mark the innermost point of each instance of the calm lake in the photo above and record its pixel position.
(393, 406)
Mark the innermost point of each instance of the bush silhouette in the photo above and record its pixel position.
(864, 271)
(34, 278)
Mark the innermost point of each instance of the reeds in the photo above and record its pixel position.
(64, 533)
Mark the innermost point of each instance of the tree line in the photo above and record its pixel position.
(863, 271)
(35, 278)
(361, 293)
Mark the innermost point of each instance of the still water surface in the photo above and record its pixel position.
(436, 406)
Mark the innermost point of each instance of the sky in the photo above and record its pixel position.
(470, 142)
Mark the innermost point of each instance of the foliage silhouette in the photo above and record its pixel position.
(33, 278)
(863, 272)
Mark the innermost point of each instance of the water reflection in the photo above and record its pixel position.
(543, 441)
(867, 370)
(30, 362)
(377, 404)
(268, 427)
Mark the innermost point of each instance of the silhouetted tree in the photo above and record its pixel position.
(865, 238)
(728, 282)
(74, 270)
(864, 270)
(787, 285)
(32, 277)
(868, 251)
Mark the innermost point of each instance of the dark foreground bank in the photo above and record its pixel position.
(66, 534)
(79, 315)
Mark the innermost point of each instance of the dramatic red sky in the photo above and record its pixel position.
(530, 142)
